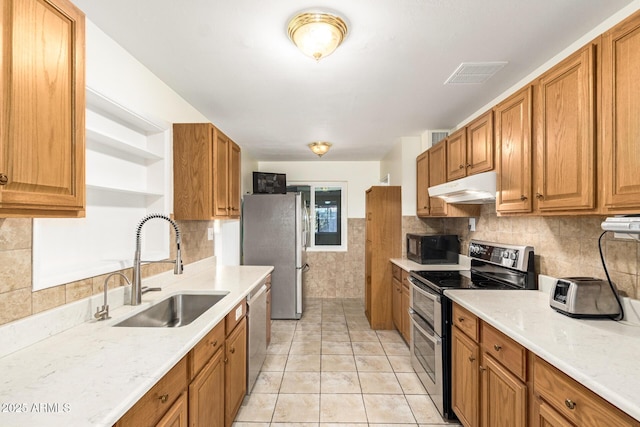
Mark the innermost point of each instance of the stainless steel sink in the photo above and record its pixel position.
(173, 312)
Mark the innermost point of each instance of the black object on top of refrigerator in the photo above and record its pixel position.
(275, 230)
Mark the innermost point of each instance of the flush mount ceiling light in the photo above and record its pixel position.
(317, 34)
(320, 148)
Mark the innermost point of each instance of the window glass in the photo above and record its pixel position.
(326, 204)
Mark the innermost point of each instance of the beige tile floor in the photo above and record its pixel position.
(329, 368)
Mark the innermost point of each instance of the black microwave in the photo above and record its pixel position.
(433, 248)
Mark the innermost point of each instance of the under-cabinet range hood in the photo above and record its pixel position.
(474, 189)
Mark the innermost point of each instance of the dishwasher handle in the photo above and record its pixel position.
(255, 294)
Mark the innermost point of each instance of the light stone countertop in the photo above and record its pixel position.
(92, 373)
(600, 354)
(408, 265)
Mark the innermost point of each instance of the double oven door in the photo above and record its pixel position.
(429, 343)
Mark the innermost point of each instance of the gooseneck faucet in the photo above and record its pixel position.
(102, 313)
(136, 287)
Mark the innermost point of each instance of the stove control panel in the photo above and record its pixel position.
(505, 255)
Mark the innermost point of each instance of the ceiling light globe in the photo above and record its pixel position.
(320, 148)
(317, 34)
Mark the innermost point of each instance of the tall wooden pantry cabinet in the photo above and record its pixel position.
(383, 232)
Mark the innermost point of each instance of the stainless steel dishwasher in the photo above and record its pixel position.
(257, 315)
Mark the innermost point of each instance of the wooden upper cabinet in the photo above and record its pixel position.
(457, 154)
(470, 150)
(479, 155)
(513, 153)
(564, 112)
(620, 111)
(206, 173)
(437, 175)
(220, 174)
(422, 184)
(42, 120)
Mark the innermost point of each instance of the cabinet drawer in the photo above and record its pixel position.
(157, 401)
(235, 316)
(405, 280)
(207, 346)
(509, 353)
(574, 401)
(466, 321)
(397, 271)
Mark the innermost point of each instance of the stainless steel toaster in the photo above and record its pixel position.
(584, 297)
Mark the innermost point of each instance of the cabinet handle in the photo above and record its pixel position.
(232, 350)
(215, 343)
(539, 196)
(461, 167)
(164, 398)
(482, 368)
(460, 319)
(226, 360)
(523, 197)
(468, 165)
(570, 404)
(3, 179)
(472, 359)
(496, 347)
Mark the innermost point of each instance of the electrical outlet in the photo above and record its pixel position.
(472, 224)
(210, 233)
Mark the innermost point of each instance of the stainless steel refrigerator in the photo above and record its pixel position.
(275, 231)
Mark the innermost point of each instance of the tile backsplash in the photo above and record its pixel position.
(564, 246)
(18, 301)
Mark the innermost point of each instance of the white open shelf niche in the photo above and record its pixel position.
(128, 175)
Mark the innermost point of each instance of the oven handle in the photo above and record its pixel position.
(431, 296)
(431, 337)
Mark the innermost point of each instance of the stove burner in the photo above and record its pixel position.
(441, 273)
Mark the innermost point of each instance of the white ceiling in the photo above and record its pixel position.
(232, 60)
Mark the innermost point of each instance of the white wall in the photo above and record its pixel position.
(113, 72)
(359, 176)
(400, 164)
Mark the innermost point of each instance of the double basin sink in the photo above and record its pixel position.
(174, 311)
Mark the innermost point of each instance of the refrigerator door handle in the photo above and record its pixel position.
(305, 267)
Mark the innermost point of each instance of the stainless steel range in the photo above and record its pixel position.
(493, 266)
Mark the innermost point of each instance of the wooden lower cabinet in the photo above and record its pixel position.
(204, 389)
(573, 402)
(177, 415)
(504, 396)
(159, 400)
(235, 370)
(206, 394)
(404, 307)
(546, 416)
(465, 379)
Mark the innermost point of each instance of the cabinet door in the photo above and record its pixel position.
(42, 120)
(397, 304)
(480, 144)
(206, 394)
(565, 137)
(177, 415)
(235, 371)
(422, 184)
(404, 310)
(513, 146)
(268, 315)
(546, 416)
(221, 206)
(437, 175)
(234, 179)
(620, 111)
(465, 386)
(456, 155)
(504, 397)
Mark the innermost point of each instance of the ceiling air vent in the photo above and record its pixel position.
(474, 72)
(435, 136)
